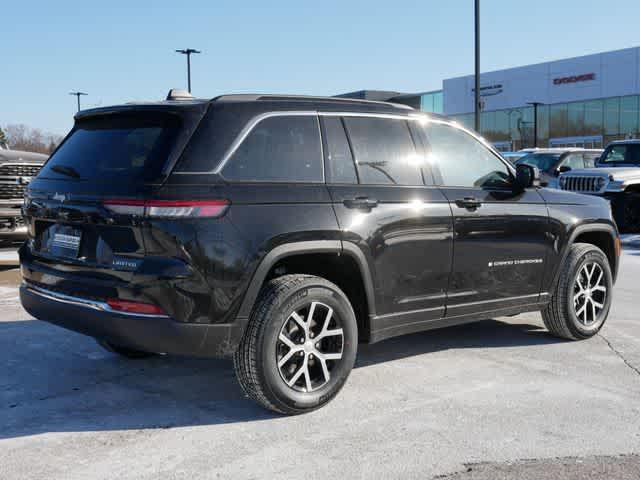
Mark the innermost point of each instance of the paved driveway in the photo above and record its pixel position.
(466, 401)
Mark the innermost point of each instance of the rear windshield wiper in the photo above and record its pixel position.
(65, 170)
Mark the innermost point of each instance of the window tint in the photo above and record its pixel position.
(279, 149)
(420, 141)
(543, 161)
(118, 148)
(340, 166)
(216, 132)
(622, 154)
(590, 159)
(573, 160)
(384, 151)
(462, 160)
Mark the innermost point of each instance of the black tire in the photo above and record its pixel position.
(257, 357)
(123, 351)
(631, 213)
(560, 316)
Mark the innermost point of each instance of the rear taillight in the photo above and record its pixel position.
(135, 307)
(168, 208)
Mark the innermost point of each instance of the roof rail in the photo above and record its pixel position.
(258, 97)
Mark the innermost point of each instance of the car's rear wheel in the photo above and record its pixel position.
(581, 299)
(300, 344)
(123, 351)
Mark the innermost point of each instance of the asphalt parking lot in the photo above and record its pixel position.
(495, 399)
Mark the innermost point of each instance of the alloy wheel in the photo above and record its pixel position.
(589, 293)
(309, 347)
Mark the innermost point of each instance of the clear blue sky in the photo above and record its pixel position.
(119, 51)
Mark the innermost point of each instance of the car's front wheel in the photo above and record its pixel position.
(299, 346)
(581, 298)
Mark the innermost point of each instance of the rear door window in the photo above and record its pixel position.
(122, 148)
(279, 149)
(340, 165)
(384, 151)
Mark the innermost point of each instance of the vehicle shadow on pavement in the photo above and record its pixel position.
(53, 380)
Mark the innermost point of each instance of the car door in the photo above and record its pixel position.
(501, 239)
(401, 226)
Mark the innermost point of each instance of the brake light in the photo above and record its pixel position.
(168, 208)
(134, 307)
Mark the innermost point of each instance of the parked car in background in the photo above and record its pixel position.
(283, 230)
(513, 156)
(553, 161)
(616, 176)
(17, 168)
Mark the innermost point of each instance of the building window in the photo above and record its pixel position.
(575, 119)
(612, 116)
(629, 115)
(558, 120)
(432, 102)
(593, 111)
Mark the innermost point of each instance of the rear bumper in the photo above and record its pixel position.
(140, 332)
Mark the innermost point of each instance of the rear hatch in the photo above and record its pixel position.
(85, 210)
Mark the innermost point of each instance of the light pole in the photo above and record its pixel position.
(77, 95)
(535, 122)
(188, 52)
(477, 69)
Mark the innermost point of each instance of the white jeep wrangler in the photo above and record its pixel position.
(616, 177)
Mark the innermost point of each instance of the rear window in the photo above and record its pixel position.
(115, 148)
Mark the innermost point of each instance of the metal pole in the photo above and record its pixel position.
(535, 125)
(77, 95)
(535, 122)
(477, 69)
(189, 71)
(188, 52)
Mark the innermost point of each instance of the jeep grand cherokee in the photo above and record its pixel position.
(283, 231)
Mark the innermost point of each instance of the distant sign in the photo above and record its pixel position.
(490, 90)
(587, 77)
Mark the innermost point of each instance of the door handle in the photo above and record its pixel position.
(469, 202)
(360, 202)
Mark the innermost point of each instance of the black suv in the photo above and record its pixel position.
(283, 231)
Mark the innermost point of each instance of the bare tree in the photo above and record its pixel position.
(23, 137)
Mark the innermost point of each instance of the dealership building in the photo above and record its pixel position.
(584, 101)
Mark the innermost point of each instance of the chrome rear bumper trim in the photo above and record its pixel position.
(84, 302)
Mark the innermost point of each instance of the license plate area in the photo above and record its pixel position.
(64, 241)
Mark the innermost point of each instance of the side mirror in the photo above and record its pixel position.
(563, 169)
(527, 176)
